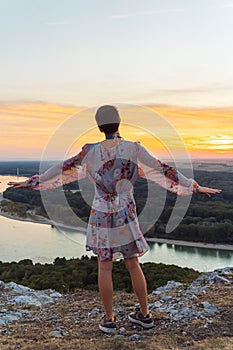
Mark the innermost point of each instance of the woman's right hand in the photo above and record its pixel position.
(207, 191)
(19, 184)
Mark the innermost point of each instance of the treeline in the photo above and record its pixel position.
(204, 222)
(26, 168)
(67, 275)
(208, 220)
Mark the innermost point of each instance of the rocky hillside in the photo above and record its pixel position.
(193, 316)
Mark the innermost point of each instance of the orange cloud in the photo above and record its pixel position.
(26, 128)
(206, 132)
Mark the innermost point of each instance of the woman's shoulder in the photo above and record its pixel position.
(88, 146)
(132, 144)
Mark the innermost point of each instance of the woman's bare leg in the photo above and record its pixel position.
(106, 286)
(138, 283)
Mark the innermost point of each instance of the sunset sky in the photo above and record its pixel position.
(173, 56)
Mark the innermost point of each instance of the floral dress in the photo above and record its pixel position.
(113, 229)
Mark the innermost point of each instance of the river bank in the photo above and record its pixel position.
(39, 220)
(42, 220)
(192, 244)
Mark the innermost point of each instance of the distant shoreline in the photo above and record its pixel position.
(225, 246)
(191, 244)
(40, 220)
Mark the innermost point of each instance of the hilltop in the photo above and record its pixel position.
(197, 315)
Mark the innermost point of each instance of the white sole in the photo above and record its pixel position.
(144, 325)
(107, 330)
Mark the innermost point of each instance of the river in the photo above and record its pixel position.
(42, 243)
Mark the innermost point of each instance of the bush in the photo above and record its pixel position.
(67, 275)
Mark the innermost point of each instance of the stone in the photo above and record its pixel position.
(6, 332)
(173, 311)
(18, 288)
(53, 317)
(95, 311)
(209, 308)
(122, 330)
(34, 300)
(135, 337)
(10, 316)
(225, 271)
(155, 304)
(55, 295)
(166, 298)
(118, 336)
(171, 285)
(221, 279)
(56, 334)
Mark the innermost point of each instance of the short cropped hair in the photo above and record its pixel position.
(108, 119)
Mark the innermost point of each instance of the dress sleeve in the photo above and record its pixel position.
(163, 174)
(70, 170)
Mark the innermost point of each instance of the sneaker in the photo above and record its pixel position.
(108, 325)
(144, 321)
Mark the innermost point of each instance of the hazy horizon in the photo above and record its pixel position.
(54, 159)
(175, 57)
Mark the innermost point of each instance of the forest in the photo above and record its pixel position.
(66, 275)
(208, 220)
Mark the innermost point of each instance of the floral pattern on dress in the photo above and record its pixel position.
(113, 229)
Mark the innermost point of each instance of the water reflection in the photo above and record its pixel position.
(225, 254)
(41, 243)
(201, 259)
(169, 246)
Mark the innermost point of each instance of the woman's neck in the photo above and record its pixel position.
(113, 141)
(112, 136)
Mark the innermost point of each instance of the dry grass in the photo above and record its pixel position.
(81, 332)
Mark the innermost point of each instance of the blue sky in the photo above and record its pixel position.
(91, 52)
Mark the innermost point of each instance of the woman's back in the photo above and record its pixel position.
(112, 169)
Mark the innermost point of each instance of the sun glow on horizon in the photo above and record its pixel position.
(206, 133)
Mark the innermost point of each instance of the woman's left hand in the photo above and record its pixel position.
(207, 191)
(19, 184)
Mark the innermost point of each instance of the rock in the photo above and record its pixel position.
(55, 295)
(36, 299)
(173, 311)
(56, 334)
(225, 271)
(221, 279)
(6, 332)
(209, 308)
(53, 317)
(155, 304)
(166, 298)
(122, 330)
(10, 316)
(118, 336)
(95, 311)
(18, 288)
(171, 285)
(135, 337)
(61, 329)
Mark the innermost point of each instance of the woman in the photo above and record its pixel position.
(113, 165)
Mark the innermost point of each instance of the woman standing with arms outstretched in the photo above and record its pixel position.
(113, 231)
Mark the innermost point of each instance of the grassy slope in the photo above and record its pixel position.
(81, 331)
